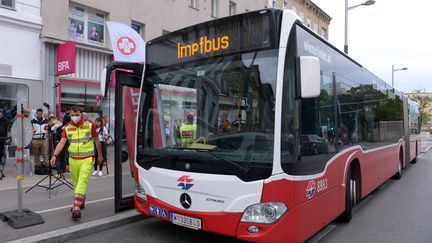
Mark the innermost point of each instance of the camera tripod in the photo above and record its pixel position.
(54, 181)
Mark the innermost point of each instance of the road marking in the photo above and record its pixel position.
(323, 233)
(427, 149)
(68, 206)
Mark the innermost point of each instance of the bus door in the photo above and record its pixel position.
(127, 89)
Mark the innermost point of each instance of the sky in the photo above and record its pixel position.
(390, 32)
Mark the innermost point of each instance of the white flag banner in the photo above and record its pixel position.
(127, 44)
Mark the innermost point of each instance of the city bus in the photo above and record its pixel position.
(285, 132)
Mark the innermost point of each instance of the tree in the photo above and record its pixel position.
(424, 102)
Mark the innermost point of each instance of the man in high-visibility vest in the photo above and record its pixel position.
(82, 137)
(188, 132)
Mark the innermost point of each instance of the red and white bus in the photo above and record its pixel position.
(291, 133)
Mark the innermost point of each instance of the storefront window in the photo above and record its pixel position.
(86, 26)
(10, 95)
(82, 94)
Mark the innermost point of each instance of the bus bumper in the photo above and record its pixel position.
(225, 223)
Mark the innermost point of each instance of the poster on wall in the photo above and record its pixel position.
(76, 23)
(95, 28)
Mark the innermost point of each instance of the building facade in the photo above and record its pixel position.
(311, 15)
(20, 48)
(84, 23)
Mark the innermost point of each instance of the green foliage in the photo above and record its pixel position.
(425, 117)
(424, 102)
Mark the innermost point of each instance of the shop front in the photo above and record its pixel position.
(78, 70)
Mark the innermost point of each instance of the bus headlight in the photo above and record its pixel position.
(140, 192)
(264, 213)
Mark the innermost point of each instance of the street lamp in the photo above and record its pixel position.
(394, 70)
(367, 3)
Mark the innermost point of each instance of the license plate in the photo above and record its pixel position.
(185, 221)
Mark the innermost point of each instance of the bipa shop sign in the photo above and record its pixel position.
(66, 58)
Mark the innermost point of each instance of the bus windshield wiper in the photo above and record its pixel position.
(153, 158)
(157, 158)
(243, 169)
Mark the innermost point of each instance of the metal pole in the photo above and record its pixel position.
(393, 76)
(20, 210)
(346, 28)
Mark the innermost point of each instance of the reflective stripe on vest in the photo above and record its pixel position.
(81, 143)
(81, 154)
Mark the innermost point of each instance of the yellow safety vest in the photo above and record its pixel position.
(187, 134)
(80, 138)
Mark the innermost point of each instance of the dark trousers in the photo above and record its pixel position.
(104, 155)
(1, 150)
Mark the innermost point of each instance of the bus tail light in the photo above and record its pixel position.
(140, 192)
(264, 213)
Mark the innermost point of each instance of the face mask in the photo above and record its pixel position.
(76, 119)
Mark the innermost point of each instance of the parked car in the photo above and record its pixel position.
(312, 144)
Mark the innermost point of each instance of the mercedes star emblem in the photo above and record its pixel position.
(185, 200)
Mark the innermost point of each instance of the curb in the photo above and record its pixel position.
(81, 230)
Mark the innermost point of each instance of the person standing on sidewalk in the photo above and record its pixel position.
(39, 141)
(4, 128)
(82, 137)
(103, 136)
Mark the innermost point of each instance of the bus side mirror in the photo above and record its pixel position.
(310, 76)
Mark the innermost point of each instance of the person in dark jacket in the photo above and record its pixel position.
(39, 142)
(4, 128)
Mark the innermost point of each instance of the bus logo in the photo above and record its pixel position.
(310, 189)
(185, 182)
(203, 46)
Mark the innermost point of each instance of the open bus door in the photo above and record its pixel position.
(127, 85)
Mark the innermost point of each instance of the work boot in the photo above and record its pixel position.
(76, 214)
(37, 170)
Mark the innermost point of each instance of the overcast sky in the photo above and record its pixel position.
(389, 32)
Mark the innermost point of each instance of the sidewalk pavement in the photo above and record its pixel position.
(10, 182)
(98, 214)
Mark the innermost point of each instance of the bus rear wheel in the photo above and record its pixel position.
(415, 158)
(351, 196)
(398, 174)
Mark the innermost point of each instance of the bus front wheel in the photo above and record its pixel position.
(350, 196)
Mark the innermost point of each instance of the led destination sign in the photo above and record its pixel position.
(231, 35)
(205, 45)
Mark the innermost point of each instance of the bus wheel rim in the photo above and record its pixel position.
(353, 190)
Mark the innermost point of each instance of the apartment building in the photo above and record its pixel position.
(20, 70)
(71, 72)
(312, 15)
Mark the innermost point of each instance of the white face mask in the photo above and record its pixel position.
(76, 119)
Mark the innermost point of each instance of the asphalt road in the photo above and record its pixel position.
(56, 211)
(398, 211)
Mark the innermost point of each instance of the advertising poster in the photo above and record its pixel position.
(95, 28)
(76, 24)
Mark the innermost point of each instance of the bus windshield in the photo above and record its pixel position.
(212, 115)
